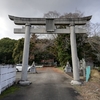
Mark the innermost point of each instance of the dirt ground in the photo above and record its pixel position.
(90, 90)
(47, 84)
(87, 91)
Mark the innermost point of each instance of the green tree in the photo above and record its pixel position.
(62, 41)
(6, 50)
(32, 48)
(18, 51)
(63, 48)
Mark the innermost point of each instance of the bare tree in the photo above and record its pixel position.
(76, 14)
(52, 14)
(93, 31)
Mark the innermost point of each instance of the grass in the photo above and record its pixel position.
(61, 68)
(9, 90)
(95, 75)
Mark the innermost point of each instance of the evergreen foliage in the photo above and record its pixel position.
(6, 49)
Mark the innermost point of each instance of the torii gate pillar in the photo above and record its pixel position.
(74, 55)
(25, 55)
(26, 52)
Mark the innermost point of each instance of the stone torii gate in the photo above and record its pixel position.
(50, 28)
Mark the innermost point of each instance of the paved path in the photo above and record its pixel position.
(48, 84)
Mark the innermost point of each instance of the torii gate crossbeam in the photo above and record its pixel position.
(43, 31)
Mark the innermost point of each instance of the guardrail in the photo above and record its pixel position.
(7, 76)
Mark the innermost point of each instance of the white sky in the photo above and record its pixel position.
(37, 8)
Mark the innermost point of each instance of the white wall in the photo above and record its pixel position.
(7, 76)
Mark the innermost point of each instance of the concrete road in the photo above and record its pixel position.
(48, 84)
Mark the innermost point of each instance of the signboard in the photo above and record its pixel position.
(88, 71)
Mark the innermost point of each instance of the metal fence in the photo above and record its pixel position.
(7, 76)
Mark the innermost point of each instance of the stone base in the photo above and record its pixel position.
(73, 82)
(34, 72)
(25, 82)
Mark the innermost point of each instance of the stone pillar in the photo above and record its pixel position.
(24, 80)
(74, 55)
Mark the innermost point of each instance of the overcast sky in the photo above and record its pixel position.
(37, 8)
